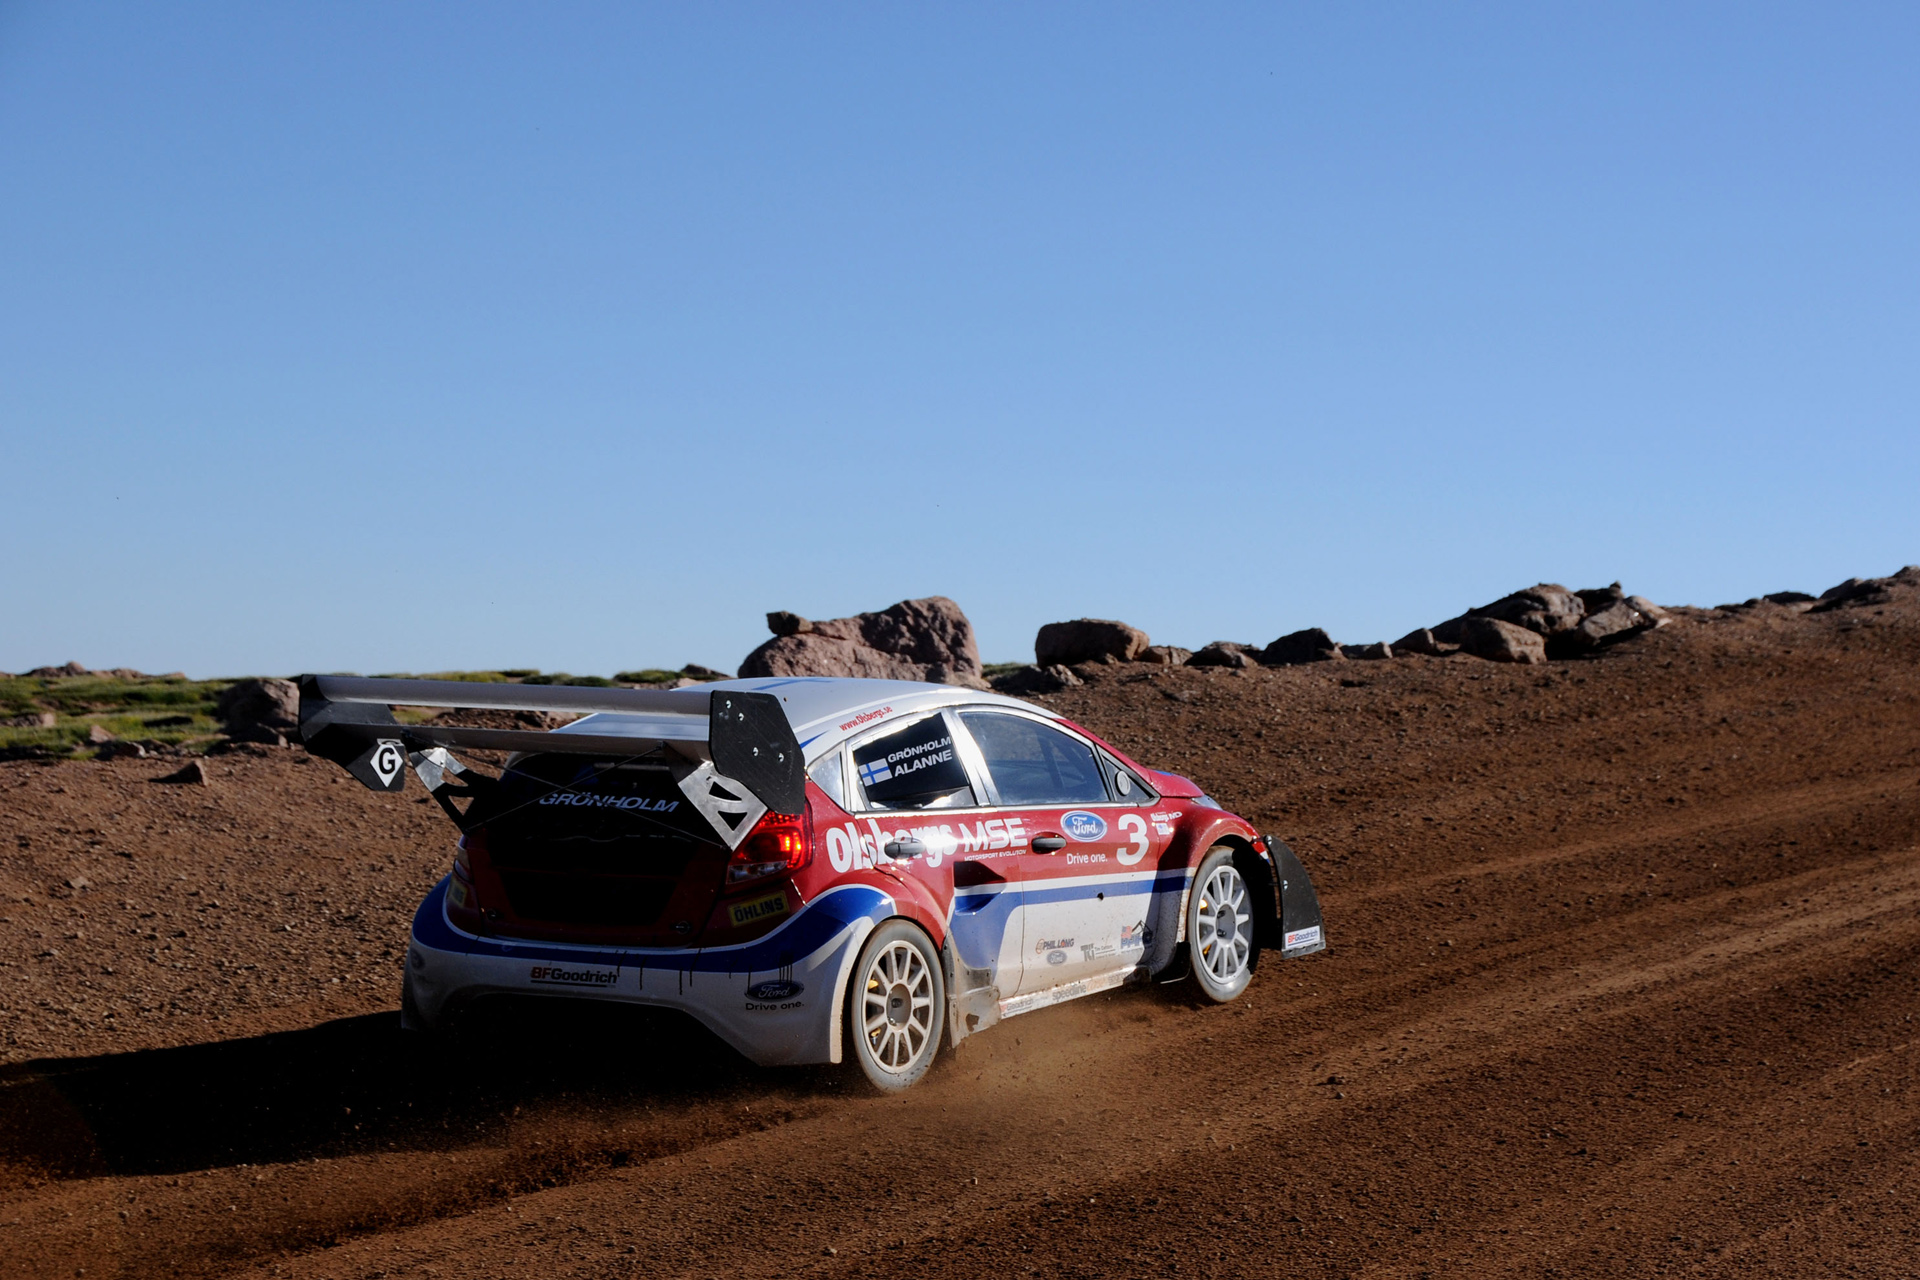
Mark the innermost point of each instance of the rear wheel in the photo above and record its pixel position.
(896, 1005)
(1220, 927)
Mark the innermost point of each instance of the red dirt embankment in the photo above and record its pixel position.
(1624, 976)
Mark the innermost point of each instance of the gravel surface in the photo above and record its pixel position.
(1624, 974)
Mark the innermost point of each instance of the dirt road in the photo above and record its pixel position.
(1624, 981)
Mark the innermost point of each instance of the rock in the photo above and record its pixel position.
(1423, 641)
(1612, 624)
(698, 672)
(56, 673)
(98, 735)
(1165, 655)
(121, 747)
(264, 711)
(1546, 609)
(1368, 652)
(1788, 597)
(1597, 598)
(192, 774)
(1499, 641)
(31, 720)
(1087, 640)
(1028, 681)
(928, 639)
(1650, 611)
(1225, 653)
(1857, 593)
(1310, 645)
(783, 623)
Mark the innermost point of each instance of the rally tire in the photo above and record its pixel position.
(896, 1006)
(1221, 942)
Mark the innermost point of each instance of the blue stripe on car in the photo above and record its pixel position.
(810, 928)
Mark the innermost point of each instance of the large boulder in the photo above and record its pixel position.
(1499, 641)
(1625, 617)
(927, 639)
(1423, 641)
(1164, 655)
(1857, 593)
(260, 711)
(1310, 645)
(1065, 644)
(1367, 652)
(1225, 653)
(1546, 609)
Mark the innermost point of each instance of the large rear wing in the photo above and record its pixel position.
(741, 756)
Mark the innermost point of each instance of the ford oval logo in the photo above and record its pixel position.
(1082, 825)
(775, 990)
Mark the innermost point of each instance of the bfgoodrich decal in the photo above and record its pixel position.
(1302, 938)
(560, 975)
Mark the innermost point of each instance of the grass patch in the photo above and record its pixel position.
(992, 669)
(155, 711)
(173, 711)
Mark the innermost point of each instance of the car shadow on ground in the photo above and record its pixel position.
(357, 1085)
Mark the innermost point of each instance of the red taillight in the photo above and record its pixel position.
(778, 843)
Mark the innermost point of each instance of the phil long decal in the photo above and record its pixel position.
(1082, 825)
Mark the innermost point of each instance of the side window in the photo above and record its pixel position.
(1033, 764)
(826, 776)
(913, 768)
(1128, 786)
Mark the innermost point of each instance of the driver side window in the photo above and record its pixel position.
(1034, 764)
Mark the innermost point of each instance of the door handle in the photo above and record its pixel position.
(1048, 844)
(908, 848)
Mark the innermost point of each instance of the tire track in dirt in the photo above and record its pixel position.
(1519, 1021)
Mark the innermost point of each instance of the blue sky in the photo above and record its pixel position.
(409, 337)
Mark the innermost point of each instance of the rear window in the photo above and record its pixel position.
(913, 768)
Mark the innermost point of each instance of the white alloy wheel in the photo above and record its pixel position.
(896, 1007)
(1220, 924)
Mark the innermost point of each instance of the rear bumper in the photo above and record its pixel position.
(776, 999)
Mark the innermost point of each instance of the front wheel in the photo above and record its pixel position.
(1220, 928)
(895, 1006)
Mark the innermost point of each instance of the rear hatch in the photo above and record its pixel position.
(591, 851)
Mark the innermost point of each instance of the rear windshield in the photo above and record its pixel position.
(596, 812)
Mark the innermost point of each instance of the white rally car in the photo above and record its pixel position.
(813, 868)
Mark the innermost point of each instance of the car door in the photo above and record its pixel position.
(910, 778)
(1087, 872)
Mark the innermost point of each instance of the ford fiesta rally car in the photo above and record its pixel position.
(813, 868)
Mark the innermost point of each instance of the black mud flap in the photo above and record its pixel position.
(1302, 932)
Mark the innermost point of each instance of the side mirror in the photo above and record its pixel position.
(908, 848)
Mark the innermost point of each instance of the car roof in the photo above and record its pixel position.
(826, 710)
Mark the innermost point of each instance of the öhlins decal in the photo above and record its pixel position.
(757, 909)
